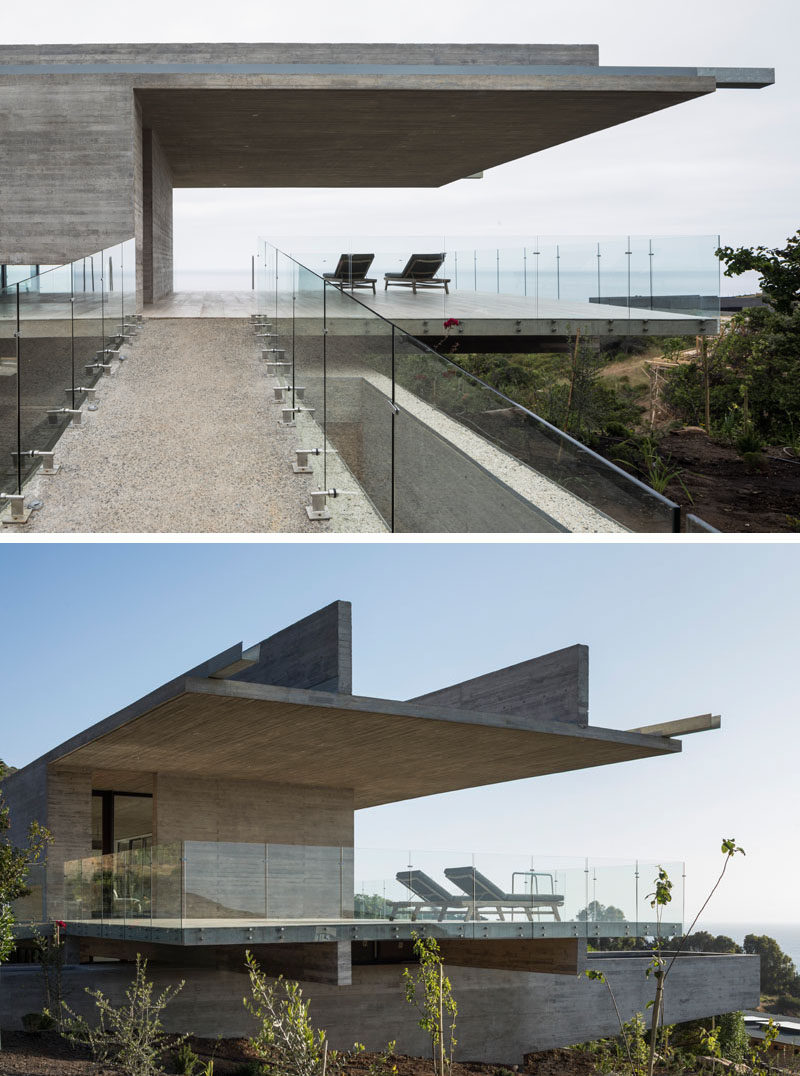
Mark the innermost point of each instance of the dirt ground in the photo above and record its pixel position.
(727, 493)
(47, 1054)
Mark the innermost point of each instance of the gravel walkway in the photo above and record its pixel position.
(185, 439)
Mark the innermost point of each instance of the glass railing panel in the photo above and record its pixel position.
(73, 890)
(672, 914)
(166, 884)
(45, 365)
(611, 909)
(305, 346)
(133, 886)
(112, 292)
(87, 325)
(446, 478)
(307, 882)
(30, 908)
(592, 494)
(10, 462)
(358, 411)
(127, 278)
(225, 880)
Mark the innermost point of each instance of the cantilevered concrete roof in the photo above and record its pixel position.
(341, 115)
(283, 711)
(384, 750)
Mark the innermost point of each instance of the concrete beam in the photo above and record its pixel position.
(554, 956)
(554, 687)
(682, 727)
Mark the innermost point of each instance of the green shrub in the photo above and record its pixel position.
(36, 1022)
(185, 1060)
(130, 1036)
(748, 442)
(732, 1038)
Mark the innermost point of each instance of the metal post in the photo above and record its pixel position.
(650, 256)
(19, 398)
(325, 384)
(394, 417)
(599, 295)
(558, 272)
(628, 254)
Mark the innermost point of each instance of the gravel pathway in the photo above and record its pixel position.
(185, 440)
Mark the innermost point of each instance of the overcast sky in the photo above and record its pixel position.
(724, 164)
(673, 631)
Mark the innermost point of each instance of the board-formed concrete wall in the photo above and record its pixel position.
(66, 167)
(156, 245)
(190, 807)
(502, 1015)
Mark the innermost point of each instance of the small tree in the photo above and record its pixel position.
(15, 864)
(130, 1036)
(287, 1044)
(733, 1041)
(431, 993)
(779, 268)
(660, 966)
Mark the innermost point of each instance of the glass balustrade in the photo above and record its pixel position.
(58, 326)
(403, 437)
(194, 884)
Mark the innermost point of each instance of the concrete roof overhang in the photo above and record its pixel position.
(365, 115)
(397, 132)
(385, 750)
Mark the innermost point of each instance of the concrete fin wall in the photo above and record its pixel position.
(157, 219)
(314, 653)
(554, 687)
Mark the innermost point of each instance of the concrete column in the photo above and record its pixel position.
(156, 245)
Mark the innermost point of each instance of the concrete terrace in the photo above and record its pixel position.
(479, 313)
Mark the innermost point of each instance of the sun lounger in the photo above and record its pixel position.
(419, 272)
(351, 272)
(429, 894)
(484, 895)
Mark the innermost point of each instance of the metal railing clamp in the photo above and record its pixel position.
(16, 511)
(74, 414)
(48, 459)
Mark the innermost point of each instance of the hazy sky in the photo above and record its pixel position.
(723, 164)
(673, 631)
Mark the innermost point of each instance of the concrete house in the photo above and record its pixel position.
(215, 815)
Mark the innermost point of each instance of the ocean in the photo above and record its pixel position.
(787, 935)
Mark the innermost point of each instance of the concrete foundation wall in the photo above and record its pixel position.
(456, 493)
(502, 1015)
(157, 275)
(66, 168)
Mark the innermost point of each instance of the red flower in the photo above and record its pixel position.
(450, 322)
(60, 923)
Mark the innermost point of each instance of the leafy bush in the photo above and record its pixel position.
(132, 1036)
(286, 1043)
(732, 1039)
(36, 1022)
(185, 1060)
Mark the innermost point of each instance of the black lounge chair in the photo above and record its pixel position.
(419, 272)
(351, 272)
(429, 895)
(484, 894)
